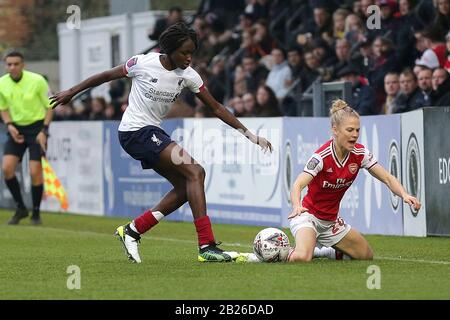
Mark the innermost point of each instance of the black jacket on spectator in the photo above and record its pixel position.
(364, 100)
(256, 78)
(441, 97)
(415, 100)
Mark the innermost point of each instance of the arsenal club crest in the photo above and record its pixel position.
(353, 167)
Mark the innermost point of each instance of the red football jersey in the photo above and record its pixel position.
(332, 178)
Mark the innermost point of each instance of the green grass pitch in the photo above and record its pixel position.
(34, 262)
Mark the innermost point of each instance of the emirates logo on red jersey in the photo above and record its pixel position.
(353, 167)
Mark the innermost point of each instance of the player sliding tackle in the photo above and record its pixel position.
(328, 174)
(157, 80)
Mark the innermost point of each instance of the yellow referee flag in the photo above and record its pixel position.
(52, 185)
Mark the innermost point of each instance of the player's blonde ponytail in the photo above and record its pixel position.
(340, 110)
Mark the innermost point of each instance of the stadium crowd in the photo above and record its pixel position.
(259, 56)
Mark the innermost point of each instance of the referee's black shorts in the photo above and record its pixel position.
(30, 133)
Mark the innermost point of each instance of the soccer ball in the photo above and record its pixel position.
(271, 245)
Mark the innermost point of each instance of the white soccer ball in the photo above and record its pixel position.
(271, 245)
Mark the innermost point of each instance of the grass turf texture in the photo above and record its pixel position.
(34, 263)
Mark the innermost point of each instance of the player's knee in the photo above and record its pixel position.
(8, 171)
(197, 172)
(301, 257)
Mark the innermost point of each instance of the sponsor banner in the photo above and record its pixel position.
(437, 169)
(75, 154)
(413, 172)
(129, 190)
(239, 174)
(368, 205)
(22, 174)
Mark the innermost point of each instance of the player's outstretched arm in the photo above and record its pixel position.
(394, 185)
(300, 183)
(64, 97)
(226, 116)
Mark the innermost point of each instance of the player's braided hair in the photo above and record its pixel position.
(340, 110)
(173, 37)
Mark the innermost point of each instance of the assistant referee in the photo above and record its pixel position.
(26, 111)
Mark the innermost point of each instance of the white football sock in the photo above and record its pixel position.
(328, 252)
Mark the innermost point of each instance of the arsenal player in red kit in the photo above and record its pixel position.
(328, 174)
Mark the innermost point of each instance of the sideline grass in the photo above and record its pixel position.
(34, 262)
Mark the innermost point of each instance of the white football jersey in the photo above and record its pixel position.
(153, 91)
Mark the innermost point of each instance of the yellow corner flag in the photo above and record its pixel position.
(52, 185)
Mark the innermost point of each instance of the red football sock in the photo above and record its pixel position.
(204, 231)
(145, 222)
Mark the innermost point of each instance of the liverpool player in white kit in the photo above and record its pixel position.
(328, 174)
(157, 80)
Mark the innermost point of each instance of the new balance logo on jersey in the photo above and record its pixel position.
(153, 80)
(156, 140)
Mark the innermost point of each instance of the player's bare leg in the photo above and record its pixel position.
(305, 242)
(178, 160)
(355, 245)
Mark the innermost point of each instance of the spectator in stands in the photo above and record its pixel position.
(111, 113)
(240, 81)
(339, 17)
(321, 27)
(249, 104)
(295, 61)
(217, 78)
(434, 55)
(424, 83)
(224, 10)
(255, 74)
(98, 107)
(440, 95)
(248, 47)
(64, 113)
(205, 50)
(447, 52)
(405, 40)
(237, 105)
(175, 15)
(280, 76)
(262, 37)
(410, 97)
(342, 51)
(417, 68)
(363, 96)
(219, 36)
(354, 29)
(388, 22)
(442, 18)
(267, 103)
(382, 61)
(392, 89)
(310, 73)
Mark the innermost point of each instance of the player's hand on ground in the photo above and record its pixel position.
(17, 137)
(412, 201)
(62, 97)
(296, 211)
(41, 138)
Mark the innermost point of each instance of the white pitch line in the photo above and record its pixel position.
(233, 244)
